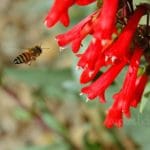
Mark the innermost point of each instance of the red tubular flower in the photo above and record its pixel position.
(91, 61)
(90, 56)
(98, 87)
(97, 24)
(77, 33)
(88, 74)
(124, 98)
(127, 92)
(140, 86)
(101, 25)
(105, 50)
(84, 2)
(105, 24)
(114, 116)
(120, 48)
(59, 11)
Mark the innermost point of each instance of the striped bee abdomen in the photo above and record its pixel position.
(22, 58)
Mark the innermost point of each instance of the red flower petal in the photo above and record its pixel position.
(114, 117)
(99, 86)
(84, 2)
(105, 24)
(126, 94)
(140, 86)
(59, 11)
(65, 18)
(120, 48)
(77, 33)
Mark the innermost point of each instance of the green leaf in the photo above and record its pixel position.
(22, 114)
(145, 98)
(53, 83)
(89, 144)
(53, 123)
(39, 76)
(55, 146)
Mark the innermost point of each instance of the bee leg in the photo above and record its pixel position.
(34, 58)
(29, 63)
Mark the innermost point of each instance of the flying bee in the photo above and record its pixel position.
(28, 56)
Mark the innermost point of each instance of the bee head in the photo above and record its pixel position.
(38, 48)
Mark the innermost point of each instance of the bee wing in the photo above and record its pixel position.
(28, 49)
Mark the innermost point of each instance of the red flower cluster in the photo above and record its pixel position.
(108, 48)
(59, 11)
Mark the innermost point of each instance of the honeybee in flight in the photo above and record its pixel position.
(28, 56)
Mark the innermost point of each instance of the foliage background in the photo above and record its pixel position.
(40, 104)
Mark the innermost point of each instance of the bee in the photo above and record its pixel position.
(28, 56)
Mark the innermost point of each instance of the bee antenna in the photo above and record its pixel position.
(40, 44)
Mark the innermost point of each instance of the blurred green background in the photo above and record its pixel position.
(40, 106)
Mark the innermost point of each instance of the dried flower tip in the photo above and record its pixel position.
(90, 73)
(113, 59)
(104, 42)
(61, 49)
(81, 94)
(87, 99)
(106, 58)
(45, 22)
(77, 67)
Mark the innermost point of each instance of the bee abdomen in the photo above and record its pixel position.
(22, 58)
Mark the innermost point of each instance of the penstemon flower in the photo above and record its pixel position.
(116, 42)
(59, 11)
(124, 98)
